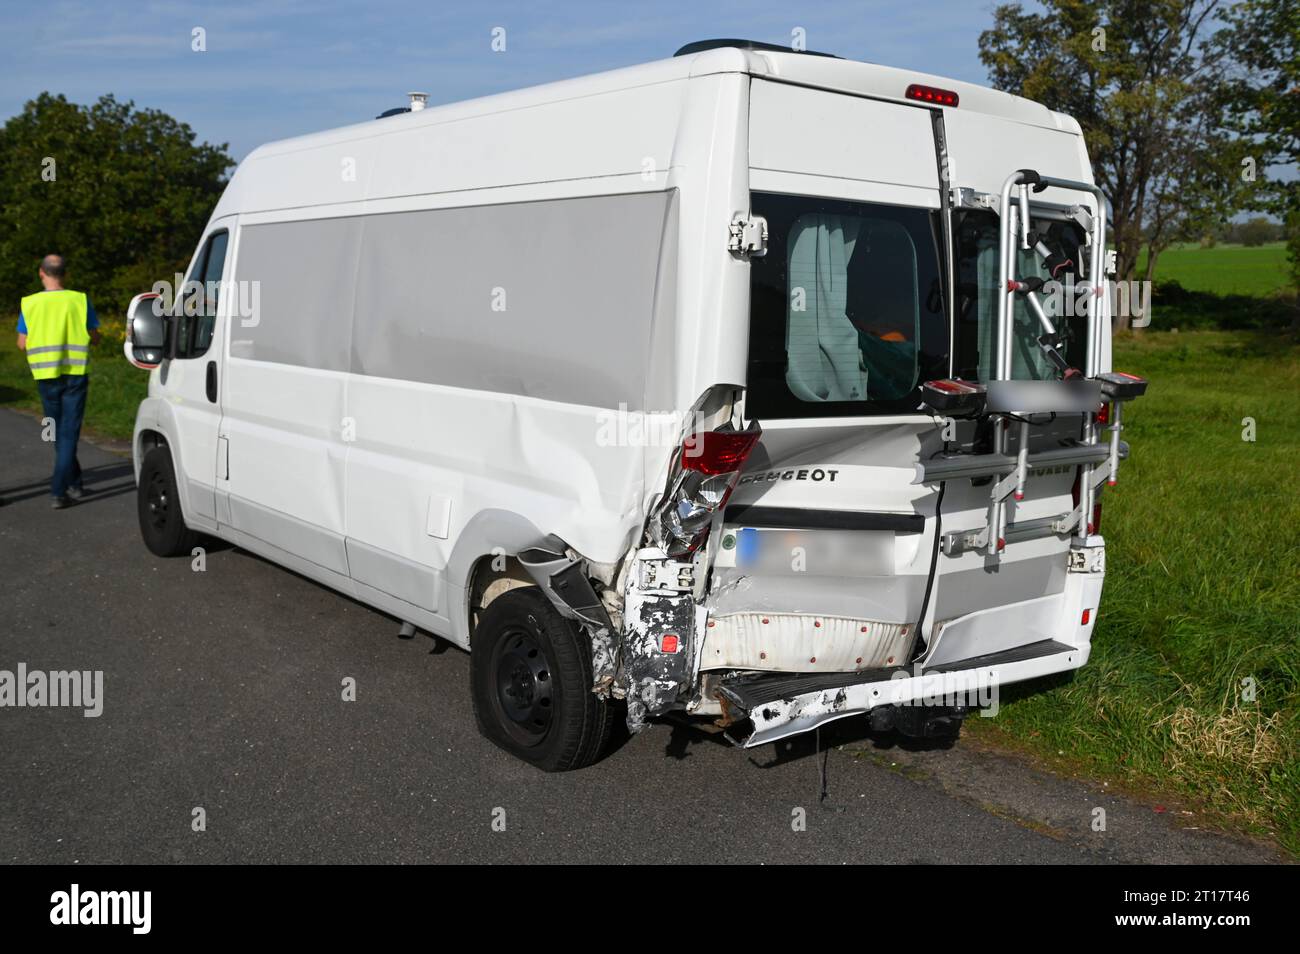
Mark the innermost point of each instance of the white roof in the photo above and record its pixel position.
(849, 76)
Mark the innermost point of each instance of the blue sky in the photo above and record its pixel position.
(283, 67)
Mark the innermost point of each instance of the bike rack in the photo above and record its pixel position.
(1011, 217)
(1079, 391)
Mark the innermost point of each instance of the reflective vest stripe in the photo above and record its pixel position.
(79, 349)
(63, 362)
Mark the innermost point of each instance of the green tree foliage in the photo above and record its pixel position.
(1262, 90)
(122, 193)
(1256, 232)
(1145, 83)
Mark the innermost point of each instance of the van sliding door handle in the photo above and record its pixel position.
(212, 381)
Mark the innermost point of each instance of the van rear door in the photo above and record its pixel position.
(832, 555)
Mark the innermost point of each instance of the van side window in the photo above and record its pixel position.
(847, 309)
(198, 314)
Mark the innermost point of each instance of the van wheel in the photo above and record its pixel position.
(530, 681)
(159, 507)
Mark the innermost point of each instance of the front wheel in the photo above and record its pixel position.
(530, 681)
(159, 507)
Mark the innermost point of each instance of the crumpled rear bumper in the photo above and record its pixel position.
(778, 708)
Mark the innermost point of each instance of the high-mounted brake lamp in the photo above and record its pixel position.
(932, 94)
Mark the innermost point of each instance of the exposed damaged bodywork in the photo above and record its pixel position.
(563, 577)
(661, 642)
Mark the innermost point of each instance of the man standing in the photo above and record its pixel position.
(56, 328)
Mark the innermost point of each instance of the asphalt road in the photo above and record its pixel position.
(222, 690)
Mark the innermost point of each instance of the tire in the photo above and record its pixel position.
(162, 524)
(530, 682)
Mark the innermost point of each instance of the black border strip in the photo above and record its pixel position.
(798, 518)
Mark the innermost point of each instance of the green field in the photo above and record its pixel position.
(1223, 269)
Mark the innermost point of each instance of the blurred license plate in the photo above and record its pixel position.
(815, 552)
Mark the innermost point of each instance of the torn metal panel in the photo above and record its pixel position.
(972, 679)
(784, 717)
(662, 621)
(562, 576)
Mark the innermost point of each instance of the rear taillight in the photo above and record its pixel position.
(718, 452)
(1121, 386)
(954, 396)
(704, 474)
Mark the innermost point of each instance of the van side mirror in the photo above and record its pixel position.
(146, 331)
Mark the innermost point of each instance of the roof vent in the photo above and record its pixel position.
(418, 102)
(699, 46)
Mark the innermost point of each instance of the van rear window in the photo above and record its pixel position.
(846, 309)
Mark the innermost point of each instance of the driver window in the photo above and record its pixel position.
(198, 313)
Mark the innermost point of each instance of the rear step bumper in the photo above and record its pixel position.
(783, 705)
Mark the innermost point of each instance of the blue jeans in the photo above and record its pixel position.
(64, 399)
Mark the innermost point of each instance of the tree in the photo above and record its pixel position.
(122, 193)
(1256, 232)
(1146, 87)
(1261, 47)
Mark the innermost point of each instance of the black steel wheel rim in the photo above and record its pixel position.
(523, 686)
(156, 500)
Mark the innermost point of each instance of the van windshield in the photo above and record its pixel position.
(847, 308)
(976, 242)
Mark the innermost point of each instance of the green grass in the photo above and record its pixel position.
(1202, 592)
(1223, 269)
(116, 387)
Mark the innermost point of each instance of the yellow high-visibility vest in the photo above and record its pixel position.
(57, 340)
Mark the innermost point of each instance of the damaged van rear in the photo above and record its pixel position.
(755, 387)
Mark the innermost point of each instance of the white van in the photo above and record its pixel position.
(733, 386)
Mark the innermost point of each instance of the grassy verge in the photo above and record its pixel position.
(1202, 600)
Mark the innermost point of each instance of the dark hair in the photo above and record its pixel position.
(54, 265)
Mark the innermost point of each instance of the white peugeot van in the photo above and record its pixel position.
(737, 386)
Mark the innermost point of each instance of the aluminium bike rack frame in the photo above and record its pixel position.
(1021, 180)
(1097, 462)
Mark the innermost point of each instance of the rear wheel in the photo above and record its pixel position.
(530, 681)
(159, 507)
